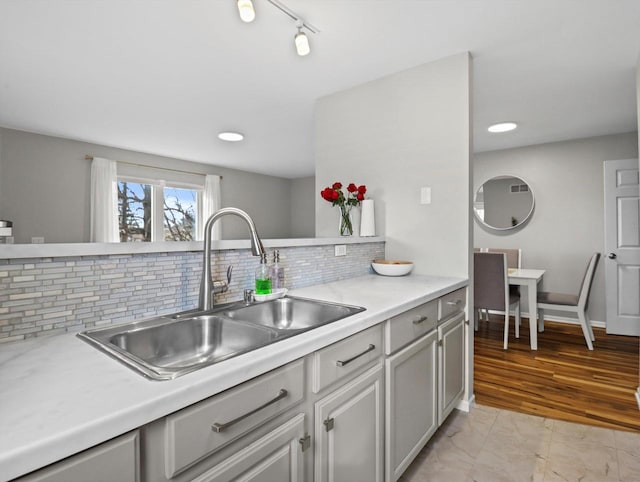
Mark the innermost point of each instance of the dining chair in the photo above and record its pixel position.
(514, 256)
(514, 260)
(491, 289)
(573, 303)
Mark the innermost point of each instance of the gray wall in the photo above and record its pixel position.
(303, 199)
(44, 189)
(567, 226)
(397, 134)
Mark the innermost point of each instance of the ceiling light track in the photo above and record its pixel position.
(293, 15)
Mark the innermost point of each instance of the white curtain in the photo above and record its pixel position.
(104, 201)
(210, 204)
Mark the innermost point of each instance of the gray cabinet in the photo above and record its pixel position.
(203, 439)
(349, 431)
(411, 402)
(424, 376)
(114, 461)
(451, 365)
(276, 457)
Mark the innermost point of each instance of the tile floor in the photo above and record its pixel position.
(493, 445)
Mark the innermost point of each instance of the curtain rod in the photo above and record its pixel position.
(90, 158)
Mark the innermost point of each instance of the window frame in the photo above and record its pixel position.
(157, 202)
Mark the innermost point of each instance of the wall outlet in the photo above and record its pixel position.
(341, 249)
(37, 240)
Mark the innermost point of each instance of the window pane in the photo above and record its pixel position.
(134, 211)
(180, 214)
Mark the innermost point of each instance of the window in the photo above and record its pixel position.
(180, 210)
(140, 203)
(158, 205)
(134, 211)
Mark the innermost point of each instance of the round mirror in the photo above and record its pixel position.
(503, 202)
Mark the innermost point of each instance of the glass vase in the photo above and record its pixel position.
(346, 221)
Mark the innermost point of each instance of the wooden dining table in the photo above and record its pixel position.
(529, 278)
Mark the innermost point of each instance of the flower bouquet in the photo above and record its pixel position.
(334, 195)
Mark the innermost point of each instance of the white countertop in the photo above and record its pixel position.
(52, 250)
(59, 395)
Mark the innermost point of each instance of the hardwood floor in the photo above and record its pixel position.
(562, 380)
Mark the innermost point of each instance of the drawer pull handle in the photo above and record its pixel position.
(221, 427)
(341, 363)
(454, 302)
(420, 319)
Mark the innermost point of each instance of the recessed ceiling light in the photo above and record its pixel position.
(502, 127)
(230, 136)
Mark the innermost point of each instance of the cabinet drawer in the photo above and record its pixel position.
(117, 459)
(452, 303)
(203, 428)
(345, 357)
(409, 326)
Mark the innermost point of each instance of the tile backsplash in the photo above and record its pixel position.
(46, 296)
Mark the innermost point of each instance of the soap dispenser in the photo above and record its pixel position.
(263, 277)
(277, 272)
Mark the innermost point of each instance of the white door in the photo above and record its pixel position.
(349, 431)
(622, 246)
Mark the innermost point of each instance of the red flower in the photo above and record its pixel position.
(334, 195)
(327, 194)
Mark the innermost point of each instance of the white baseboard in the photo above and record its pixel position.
(465, 405)
(559, 319)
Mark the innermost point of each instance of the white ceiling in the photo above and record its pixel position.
(165, 76)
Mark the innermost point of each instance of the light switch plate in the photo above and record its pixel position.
(341, 250)
(425, 195)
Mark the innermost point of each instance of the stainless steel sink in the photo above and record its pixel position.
(166, 347)
(289, 313)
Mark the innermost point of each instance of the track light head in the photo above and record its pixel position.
(245, 8)
(302, 43)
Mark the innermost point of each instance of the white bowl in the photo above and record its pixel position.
(392, 268)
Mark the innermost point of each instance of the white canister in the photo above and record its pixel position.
(367, 219)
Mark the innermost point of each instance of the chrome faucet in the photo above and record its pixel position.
(207, 285)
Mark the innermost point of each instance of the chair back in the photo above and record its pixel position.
(587, 281)
(514, 256)
(490, 283)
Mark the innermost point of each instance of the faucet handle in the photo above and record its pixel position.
(220, 286)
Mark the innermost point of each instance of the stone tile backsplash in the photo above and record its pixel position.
(47, 296)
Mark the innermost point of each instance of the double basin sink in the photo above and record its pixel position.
(166, 347)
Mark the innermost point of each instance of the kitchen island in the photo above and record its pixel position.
(61, 396)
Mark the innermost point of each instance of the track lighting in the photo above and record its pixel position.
(245, 8)
(302, 43)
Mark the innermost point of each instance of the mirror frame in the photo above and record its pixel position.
(521, 223)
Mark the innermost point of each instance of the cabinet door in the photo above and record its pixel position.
(411, 403)
(276, 457)
(117, 459)
(349, 430)
(451, 365)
